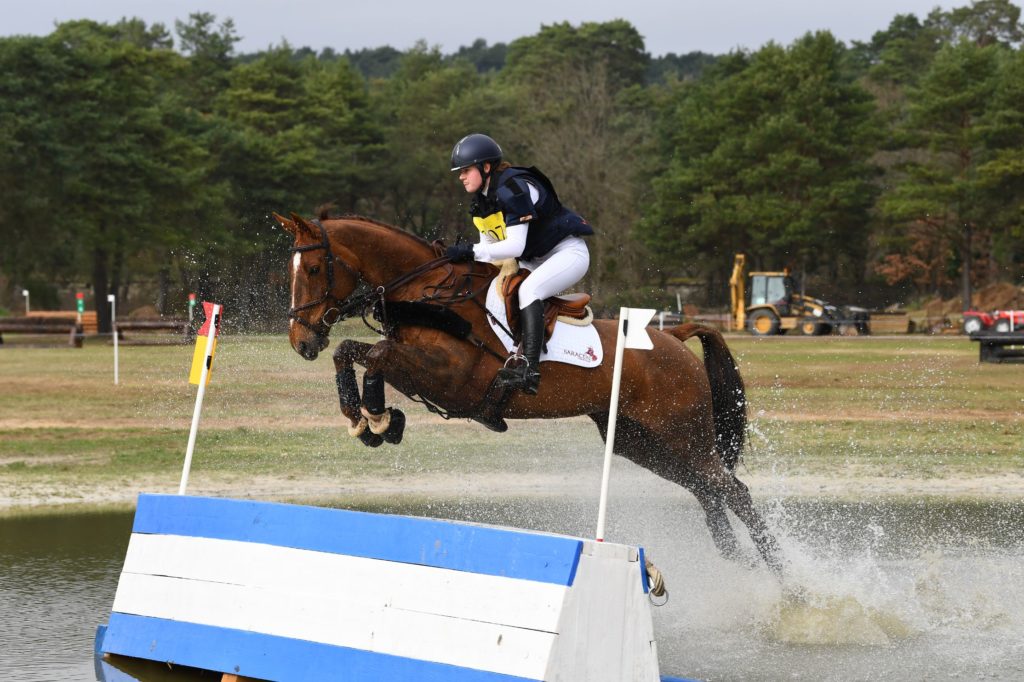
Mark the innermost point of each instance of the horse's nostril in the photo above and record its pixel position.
(302, 347)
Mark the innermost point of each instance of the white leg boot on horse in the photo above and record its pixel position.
(526, 376)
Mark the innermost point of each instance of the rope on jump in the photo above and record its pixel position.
(656, 582)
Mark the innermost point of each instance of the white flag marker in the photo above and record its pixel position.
(113, 326)
(632, 334)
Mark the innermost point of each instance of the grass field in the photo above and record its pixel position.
(822, 410)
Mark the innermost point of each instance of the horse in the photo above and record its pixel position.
(679, 417)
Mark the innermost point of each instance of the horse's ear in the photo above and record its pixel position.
(301, 226)
(288, 225)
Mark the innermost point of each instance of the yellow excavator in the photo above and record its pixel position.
(772, 305)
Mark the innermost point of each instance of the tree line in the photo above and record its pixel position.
(147, 165)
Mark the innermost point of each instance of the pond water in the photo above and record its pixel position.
(920, 589)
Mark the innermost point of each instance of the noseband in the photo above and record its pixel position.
(334, 312)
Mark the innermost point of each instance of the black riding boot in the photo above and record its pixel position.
(526, 377)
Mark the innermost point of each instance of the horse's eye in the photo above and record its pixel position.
(315, 270)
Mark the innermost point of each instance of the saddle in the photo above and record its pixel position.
(571, 308)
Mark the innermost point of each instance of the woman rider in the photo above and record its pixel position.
(519, 216)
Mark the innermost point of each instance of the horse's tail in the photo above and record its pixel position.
(728, 397)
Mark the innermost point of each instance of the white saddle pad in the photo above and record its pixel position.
(569, 343)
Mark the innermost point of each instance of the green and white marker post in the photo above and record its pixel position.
(80, 305)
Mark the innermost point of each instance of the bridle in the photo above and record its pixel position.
(340, 310)
(335, 311)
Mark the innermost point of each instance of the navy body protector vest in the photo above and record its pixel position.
(550, 221)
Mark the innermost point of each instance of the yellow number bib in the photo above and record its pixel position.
(492, 225)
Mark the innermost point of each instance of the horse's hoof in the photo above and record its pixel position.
(370, 438)
(396, 429)
(498, 426)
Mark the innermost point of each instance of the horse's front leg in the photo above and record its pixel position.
(409, 369)
(386, 423)
(347, 353)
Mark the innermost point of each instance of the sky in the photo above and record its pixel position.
(680, 26)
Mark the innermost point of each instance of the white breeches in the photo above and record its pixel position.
(556, 271)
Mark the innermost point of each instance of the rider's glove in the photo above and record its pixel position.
(459, 253)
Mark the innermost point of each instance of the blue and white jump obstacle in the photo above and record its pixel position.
(285, 592)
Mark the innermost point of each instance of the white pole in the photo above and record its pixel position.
(199, 399)
(620, 345)
(661, 321)
(113, 327)
(28, 308)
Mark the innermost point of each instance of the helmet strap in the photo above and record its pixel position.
(485, 175)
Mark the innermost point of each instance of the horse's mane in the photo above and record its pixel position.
(376, 223)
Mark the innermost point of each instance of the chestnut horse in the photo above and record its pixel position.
(683, 419)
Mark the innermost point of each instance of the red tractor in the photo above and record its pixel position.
(976, 321)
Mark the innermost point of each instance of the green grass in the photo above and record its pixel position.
(914, 406)
(919, 406)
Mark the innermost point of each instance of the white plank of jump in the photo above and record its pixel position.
(369, 583)
(328, 620)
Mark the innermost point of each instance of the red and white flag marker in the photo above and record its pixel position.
(632, 334)
(202, 362)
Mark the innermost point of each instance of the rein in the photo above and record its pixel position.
(447, 293)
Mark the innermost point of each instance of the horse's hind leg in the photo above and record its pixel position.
(717, 520)
(737, 497)
(639, 444)
(742, 505)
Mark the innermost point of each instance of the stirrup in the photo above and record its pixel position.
(514, 369)
(509, 376)
(514, 360)
(523, 377)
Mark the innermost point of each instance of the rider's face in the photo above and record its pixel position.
(471, 178)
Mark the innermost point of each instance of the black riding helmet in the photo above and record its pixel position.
(475, 150)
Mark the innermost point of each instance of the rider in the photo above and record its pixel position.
(519, 216)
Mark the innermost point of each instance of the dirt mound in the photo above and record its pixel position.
(938, 307)
(146, 312)
(999, 296)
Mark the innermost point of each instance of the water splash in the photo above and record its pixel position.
(835, 620)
